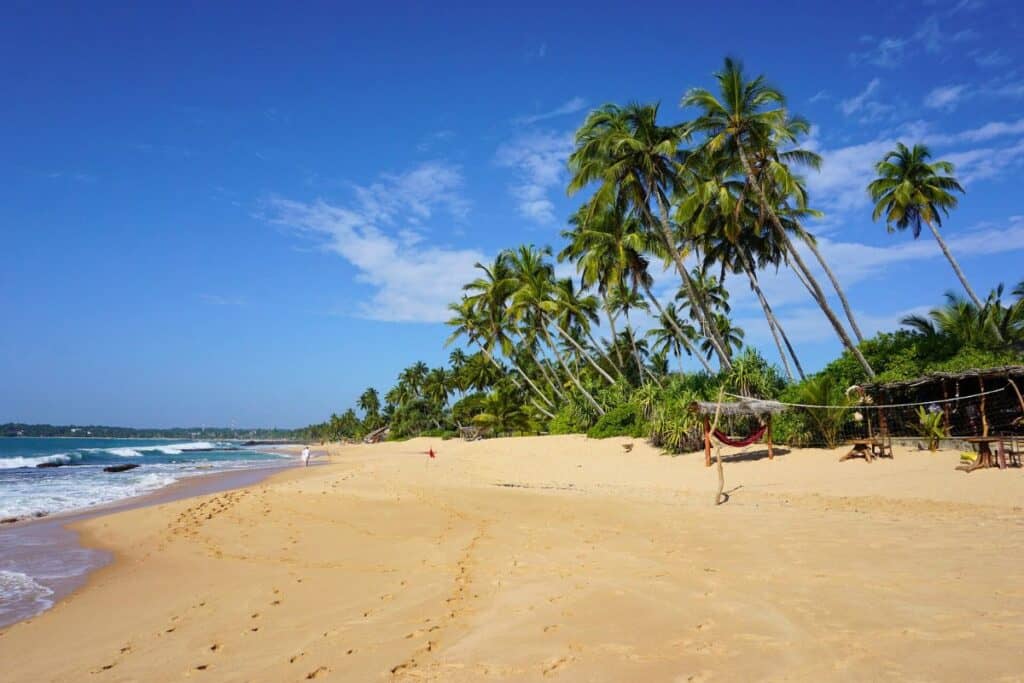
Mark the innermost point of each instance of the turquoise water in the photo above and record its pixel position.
(78, 480)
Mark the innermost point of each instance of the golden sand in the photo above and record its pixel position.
(554, 558)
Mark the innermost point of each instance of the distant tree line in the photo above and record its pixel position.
(83, 431)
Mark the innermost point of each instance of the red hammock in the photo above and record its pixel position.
(740, 443)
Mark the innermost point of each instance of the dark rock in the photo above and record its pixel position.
(50, 464)
(120, 468)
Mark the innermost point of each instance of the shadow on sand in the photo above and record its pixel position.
(751, 456)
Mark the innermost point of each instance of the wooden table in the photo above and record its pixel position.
(985, 455)
(862, 448)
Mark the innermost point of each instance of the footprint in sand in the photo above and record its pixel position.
(316, 672)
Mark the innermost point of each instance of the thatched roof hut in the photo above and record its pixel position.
(743, 407)
(976, 401)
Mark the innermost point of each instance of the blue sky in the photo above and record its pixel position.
(250, 213)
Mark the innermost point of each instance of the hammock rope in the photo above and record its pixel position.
(740, 443)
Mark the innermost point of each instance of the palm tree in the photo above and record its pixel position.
(490, 298)
(531, 303)
(436, 386)
(635, 163)
(573, 311)
(961, 323)
(609, 250)
(733, 336)
(910, 191)
(369, 402)
(719, 216)
(468, 321)
(749, 123)
(667, 340)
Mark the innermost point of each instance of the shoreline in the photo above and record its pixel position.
(35, 541)
(553, 557)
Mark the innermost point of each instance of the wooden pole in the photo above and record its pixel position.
(984, 417)
(707, 442)
(945, 409)
(771, 450)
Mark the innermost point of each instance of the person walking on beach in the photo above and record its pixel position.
(305, 456)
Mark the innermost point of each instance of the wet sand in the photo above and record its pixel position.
(554, 558)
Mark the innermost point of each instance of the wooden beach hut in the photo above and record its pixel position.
(744, 407)
(973, 402)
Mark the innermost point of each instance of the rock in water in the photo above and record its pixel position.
(120, 468)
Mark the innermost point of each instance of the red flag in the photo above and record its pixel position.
(431, 453)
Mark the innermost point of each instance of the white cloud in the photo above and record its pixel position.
(845, 172)
(571, 107)
(819, 96)
(855, 262)
(986, 162)
(891, 51)
(539, 159)
(863, 103)
(381, 234)
(945, 97)
(884, 52)
(992, 58)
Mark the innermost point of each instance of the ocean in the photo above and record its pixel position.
(37, 562)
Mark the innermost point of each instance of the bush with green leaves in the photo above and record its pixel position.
(622, 420)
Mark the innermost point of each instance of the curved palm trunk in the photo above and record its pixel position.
(568, 337)
(816, 291)
(644, 370)
(574, 378)
(680, 335)
(839, 290)
(703, 316)
(520, 371)
(549, 376)
(541, 408)
(773, 322)
(956, 266)
(604, 354)
(611, 327)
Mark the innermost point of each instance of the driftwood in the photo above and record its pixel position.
(471, 433)
(377, 435)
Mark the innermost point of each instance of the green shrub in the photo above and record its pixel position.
(623, 420)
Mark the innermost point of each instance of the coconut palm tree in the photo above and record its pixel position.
(573, 311)
(910, 191)
(749, 124)
(961, 323)
(468, 321)
(490, 294)
(531, 302)
(667, 340)
(369, 402)
(733, 336)
(635, 164)
(610, 249)
(720, 217)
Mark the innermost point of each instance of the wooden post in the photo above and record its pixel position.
(984, 417)
(707, 441)
(883, 424)
(945, 409)
(771, 450)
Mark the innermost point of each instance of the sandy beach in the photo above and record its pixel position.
(554, 558)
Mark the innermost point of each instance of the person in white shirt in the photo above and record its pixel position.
(305, 456)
